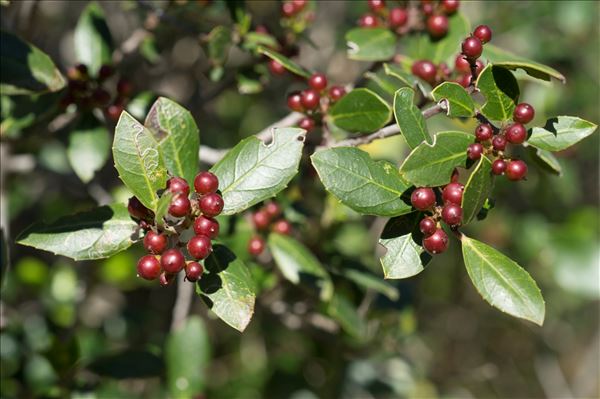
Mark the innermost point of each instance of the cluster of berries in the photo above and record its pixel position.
(268, 216)
(434, 16)
(471, 50)
(309, 101)
(88, 92)
(199, 211)
(493, 141)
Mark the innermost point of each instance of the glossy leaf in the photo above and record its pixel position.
(400, 73)
(409, 118)
(95, 234)
(508, 60)
(286, 62)
(560, 133)
(501, 282)
(477, 190)
(228, 288)
(501, 91)
(459, 102)
(176, 131)
(93, 41)
(346, 314)
(361, 110)
(370, 44)
(431, 165)
(25, 68)
(138, 160)
(298, 265)
(546, 160)
(367, 186)
(370, 281)
(253, 172)
(88, 151)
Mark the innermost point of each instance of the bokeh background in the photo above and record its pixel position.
(62, 323)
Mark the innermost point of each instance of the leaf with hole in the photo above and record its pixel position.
(459, 102)
(560, 133)
(508, 60)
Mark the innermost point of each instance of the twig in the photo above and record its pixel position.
(183, 302)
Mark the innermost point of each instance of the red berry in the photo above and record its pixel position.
(105, 72)
(155, 243)
(273, 209)
(516, 133)
(474, 151)
(113, 112)
(306, 123)
(423, 198)
(310, 99)
(199, 247)
(498, 166)
(261, 219)
(450, 6)
(282, 227)
(461, 65)
(427, 9)
(336, 92)
(206, 226)
(124, 87)
(206, 182)
(211, 204)
(177, 185)
(483, 33)
(256, 245)
(516, 170)
(172, 260)
(453, 193)
(437, 25)
(166, 279)
(299, 5)
(472, 48)
(425, 70)
(436, 243)
(287, 9)
(180, 206)
(193, 271)
(484, 132)
(499, 142)
(137, 209)
(368, 21)
(455, 176)
(523, 113)
(100, 97)
(276, 68)
(479, 65)
(397, 17)
(428, 226)
(376, 5)
(465, 80)
(82, 69)
(452, 214)
(318, 81)
(294, 102)
(148, 267)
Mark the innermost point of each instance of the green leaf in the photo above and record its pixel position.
(508, 60)
(298, 264)
(409, 118)
(138, 160)
(25, 68)
(345, 313)
(254, 40)
(162, 208)
(228, 288)
(477, 190)
(367, 186)
(187, 355)
(88, 151)
(383, 84)
(503, 283)
(460, 103)
(361, 110)
(93, 41)
(398, 72)
(286, 62)
(251, 171)
(96, 234)
(219, 42)
(501, 92)
(370, 44)
(431, 165)
(370, 281)
(405, 257)
(560, 133)
(179, 140)
(546, 160)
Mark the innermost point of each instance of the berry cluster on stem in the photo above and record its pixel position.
(268, 217)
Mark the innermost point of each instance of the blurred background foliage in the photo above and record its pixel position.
(94, 330)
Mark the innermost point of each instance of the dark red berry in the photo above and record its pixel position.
(180, 206)
(483, 33)
(310, 99)
(436, 243)
(172, 260)
(472, 48)
(113, 112)
(368, 21)
(452, 214)
(155, 243)
(282, 227)
(100, 97)
(299, 5)
(294, 102)
(287, 9)
(336, 93)
(453, 193)
(479, 65)
(450, 6)
(397, 17)
(455, 176)
(523, 113)
(137, 209)
(211, 204)
(193, 271)
(306, 123)
(425, 70)
(261, 219)
(82, 69)
(437, 25)
(273, 209)
(177, 185)
(461, 65)
(276, 68)
(423, 198)
(256, 246)
(427, 9)
(105, 72)
(465, 80)
(206, 182)
(199, 247)
(516, 133)
(516, 170)
(166, 278)
(124, 87)
(148, 267)
(428, 226)
(484, 132)
(499, 142)
(376, 5)
(318, 81)
(474, 151)
(206, 226)
(498, 167)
